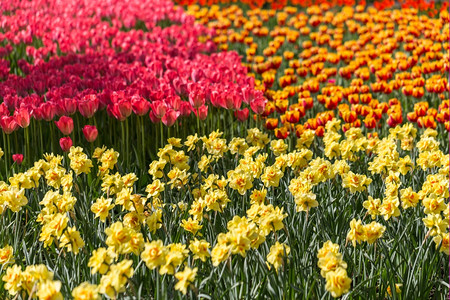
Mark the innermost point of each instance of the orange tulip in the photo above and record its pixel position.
(271, 123)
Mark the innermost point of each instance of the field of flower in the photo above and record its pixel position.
(242, 150)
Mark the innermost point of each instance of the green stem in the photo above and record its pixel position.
(122, 127)
(6, 154)
(162, 134)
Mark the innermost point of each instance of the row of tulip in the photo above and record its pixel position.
(367, 66)
(123, 68)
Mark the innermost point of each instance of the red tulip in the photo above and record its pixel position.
(125, 108)
(90, 133)
(17, 158)
(48, 111)
(22, 117)
(8, 124)
(65, 143)
(242, 115)
(202, 112)
(65, 124)
(159, 109)
(170, 117)
(185, 109)
(88, 105)
(140, 105)
(258, 105)
(69, 106)
(197, 98)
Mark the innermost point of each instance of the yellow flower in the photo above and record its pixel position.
(258, 196)
(98, 152)
(276, 255)
(305, 201)
(178, 178)
(6, 255)
(273, 221)
(433, 204)
(118, 236)
(176, 253)
(53, 176)
(332, 150)
(355, 182)
(331, 262)
(389, 207)
(372, 206)
(180, 160)
(191, 141)
(238, 145)
(373, 232)
(256, 138)
(54, 228)
(66, 202)
(435, 223)
(357, 232)
(101, 208)
(135, 244)
(278, 147)
(114, 282)
(108, 160)
(185, 278)
(338, 282)
(175, 142)
(397, 289)
(14, 198)
(327, 247)
(71, 239)
(154, 254)
(49, 290)
(306, 139)
(86, 291)
(240, 180)
(12, 279)
(112, 184)
(409, 198)
(200, 249)
(154, 221)
(191, 225)
(219, 254)
(271, 176)
(100, 260)
(129, 180)
(79, 161)
(442, 238)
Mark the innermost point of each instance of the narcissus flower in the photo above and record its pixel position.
(276, 255)
(185, 278)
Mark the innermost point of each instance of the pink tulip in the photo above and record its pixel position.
(88, 105)
(8, 124)
(140, 105)
(22, 117)
(202, 112)
(65, 124)
(90, 133)
(65, 143)
(159, 109)
(18, 158)
(242, 115)
(170, 117)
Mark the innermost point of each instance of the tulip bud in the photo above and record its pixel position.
(90, 133)
(17, 158)
(65, 143)
(242, 115)
(65, 124)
